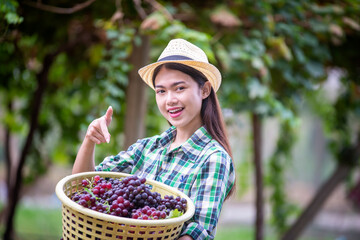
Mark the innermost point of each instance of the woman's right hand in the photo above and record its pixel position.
(97, 131)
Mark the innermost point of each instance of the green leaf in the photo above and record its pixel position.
(299, 54)
(173, 29)
(12, 123)
(224, 56)
(319, 26)
(327, 9)
(256, 89)
(237, 52)
(96, 54)
(257, 63)
(315, 69)
(13, 18)
(279, 46)
(112, 34)
(175, 213)
(269, 61)
(307, 39)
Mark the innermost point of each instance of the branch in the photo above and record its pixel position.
(59, 10)
(313, 208)
(160, 8)
(348, 155)
(357, 146)
(139, 9)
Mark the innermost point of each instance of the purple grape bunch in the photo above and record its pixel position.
(128, 197)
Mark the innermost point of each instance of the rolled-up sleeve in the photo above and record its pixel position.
(208, 192)
(124, 160)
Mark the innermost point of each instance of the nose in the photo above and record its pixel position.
(171, 99)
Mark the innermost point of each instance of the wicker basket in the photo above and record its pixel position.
(83, 223)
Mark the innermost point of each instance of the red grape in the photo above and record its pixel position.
(126, 197)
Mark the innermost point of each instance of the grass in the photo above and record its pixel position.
(37, 223)
(228, 233)
(40, 224)
(247, 233)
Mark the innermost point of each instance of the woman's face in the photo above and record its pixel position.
(179, 99)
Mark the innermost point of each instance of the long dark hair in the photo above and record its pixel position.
(210, 108)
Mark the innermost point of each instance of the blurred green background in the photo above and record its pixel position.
(290, 97)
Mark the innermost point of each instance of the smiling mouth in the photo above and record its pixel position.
(173, 111)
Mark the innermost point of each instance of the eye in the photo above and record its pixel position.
(179, 88)
(159, 91)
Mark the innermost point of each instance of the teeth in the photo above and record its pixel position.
(174, 110)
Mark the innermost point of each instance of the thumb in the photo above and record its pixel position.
(108, 115)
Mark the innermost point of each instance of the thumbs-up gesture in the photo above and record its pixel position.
(98, 129)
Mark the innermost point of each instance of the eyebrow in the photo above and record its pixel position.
(172, 85)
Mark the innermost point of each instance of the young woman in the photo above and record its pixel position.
(194, 154)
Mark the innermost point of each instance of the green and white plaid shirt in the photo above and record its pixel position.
(200, 168)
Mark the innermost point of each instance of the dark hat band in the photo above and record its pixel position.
(174, 57)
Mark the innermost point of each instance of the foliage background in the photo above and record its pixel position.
(275, 57)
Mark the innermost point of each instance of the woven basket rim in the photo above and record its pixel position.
(59, 190)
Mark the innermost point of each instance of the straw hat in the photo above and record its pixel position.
(182, 51)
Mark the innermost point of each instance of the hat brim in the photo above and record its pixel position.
(210, 71)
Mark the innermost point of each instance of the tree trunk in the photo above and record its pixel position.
(8, 161)
(8, 157)
(257, 146)
(42, 81)
(339, 175)
(136, 97)
(15, 187)
(13, 196)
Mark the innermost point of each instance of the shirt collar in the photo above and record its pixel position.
(167, 137)
(193, 146)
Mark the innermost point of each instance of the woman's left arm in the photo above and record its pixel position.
(185, 237)
(208, 192)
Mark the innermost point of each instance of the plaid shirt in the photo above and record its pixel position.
(200, 168)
